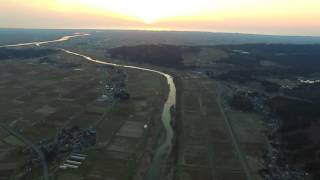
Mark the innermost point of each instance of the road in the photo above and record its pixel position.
(234, 139)
(32, 146)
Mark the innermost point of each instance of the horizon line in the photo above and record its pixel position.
(164, 30)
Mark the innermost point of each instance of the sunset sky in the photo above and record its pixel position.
(289, 17)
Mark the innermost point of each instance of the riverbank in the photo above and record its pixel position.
(153, 133)
(177, 127)
(161, 153)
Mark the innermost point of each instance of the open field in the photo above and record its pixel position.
(208, 132)
(225, 93)
(206, 150)
(10, 157)
(42, 95)
(249, 129)
(123, 145)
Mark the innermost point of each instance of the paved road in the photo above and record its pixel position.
(31, 145)
(235, 142)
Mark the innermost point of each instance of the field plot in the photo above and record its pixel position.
(248, 128)
(206, 149)
(122, 141)
(10, 158)
(40, 96)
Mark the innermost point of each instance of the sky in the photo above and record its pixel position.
(283, 17)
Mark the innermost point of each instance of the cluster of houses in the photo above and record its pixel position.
(73, 161)
(114, 85)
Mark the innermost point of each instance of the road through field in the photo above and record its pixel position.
(235, 142)
(32, 146)
(208, 145)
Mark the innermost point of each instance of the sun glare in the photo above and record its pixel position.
(148, 11)
(147, 20)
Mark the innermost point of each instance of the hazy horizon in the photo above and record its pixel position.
(161, 30)
(295, 17)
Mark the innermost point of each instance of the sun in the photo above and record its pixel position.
(149, 17)
(147, 20)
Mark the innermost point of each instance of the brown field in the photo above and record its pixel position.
(205, 150)
(123, 145)
(37, 99)
(248, 128)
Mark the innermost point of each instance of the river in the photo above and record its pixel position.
(162, 151)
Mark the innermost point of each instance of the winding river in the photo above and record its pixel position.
(161, 153)
(64, 38)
